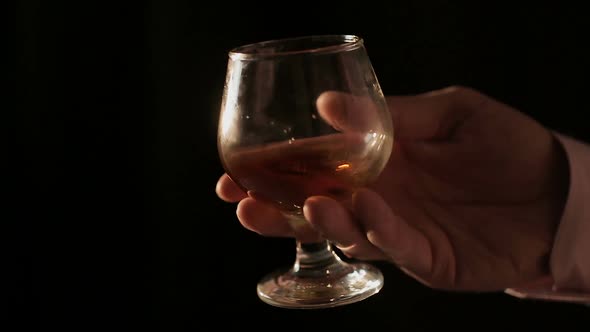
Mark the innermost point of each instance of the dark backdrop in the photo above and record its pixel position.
(117, 224)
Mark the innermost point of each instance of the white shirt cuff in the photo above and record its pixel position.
(570, 256)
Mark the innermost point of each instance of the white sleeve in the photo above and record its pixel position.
(570, 256)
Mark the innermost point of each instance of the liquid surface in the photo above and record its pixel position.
(287, 173)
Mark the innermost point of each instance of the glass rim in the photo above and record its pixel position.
(342, 42)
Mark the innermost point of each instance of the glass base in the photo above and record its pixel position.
(352, 282)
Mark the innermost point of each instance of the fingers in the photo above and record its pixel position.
(334, 222)
(434, 115)
(404, 244)
(266, 220)
(228, 190)
(375, 232)
(346, 112)
(262, 218)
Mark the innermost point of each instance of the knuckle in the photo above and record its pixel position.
(461, 91)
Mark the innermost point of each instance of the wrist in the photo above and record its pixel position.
(569, 270)
(558, 181)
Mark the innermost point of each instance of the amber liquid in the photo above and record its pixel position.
(287, 173)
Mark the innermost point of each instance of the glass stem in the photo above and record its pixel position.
(318, 259)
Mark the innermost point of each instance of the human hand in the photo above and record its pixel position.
(469, 199)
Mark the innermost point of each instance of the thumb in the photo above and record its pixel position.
(349, 113)
(433, 116)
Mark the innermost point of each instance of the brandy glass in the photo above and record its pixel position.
(301, 117)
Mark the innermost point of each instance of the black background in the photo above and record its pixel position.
(117, 224)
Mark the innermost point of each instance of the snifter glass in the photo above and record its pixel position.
(302, 117)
